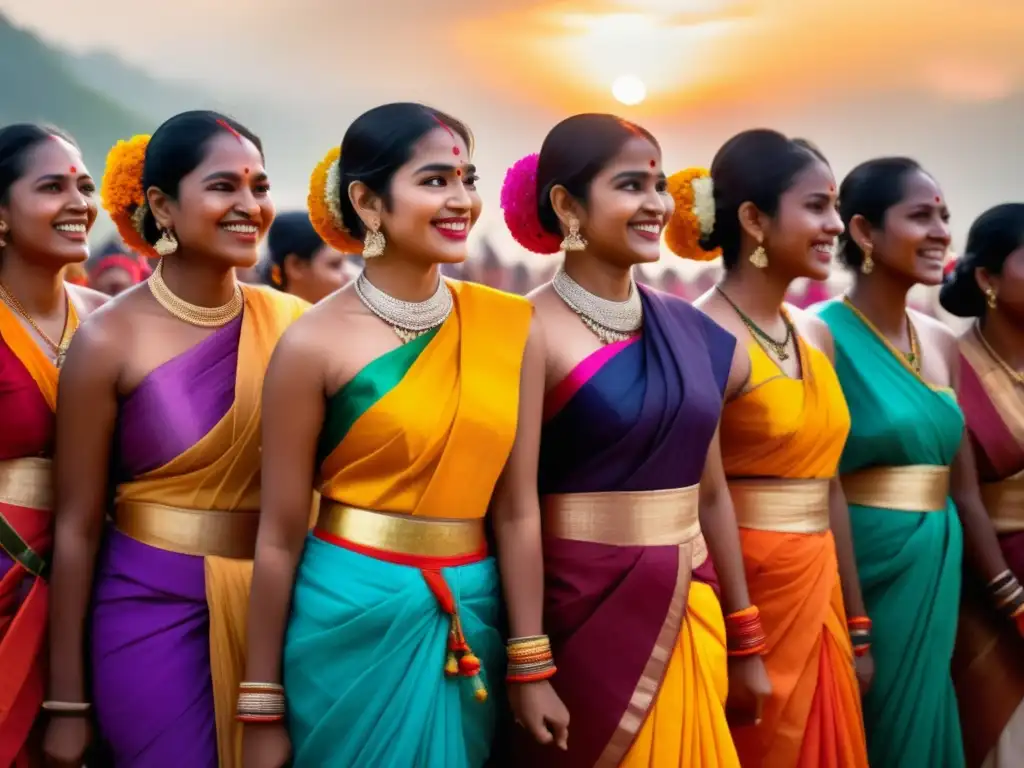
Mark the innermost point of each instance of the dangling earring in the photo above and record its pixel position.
(759, 258)
(373, 244)
(990, 295)
(167, 244)
(573, 241)
(3, 231)
(868, 265)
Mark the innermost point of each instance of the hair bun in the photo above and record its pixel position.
(960, 294)
(325, 207)
(122, 194)
(693, 219)
(519, 205)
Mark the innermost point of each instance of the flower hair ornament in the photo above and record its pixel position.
(694, 215)
(519, 206)
(324, 203)
(122, 195)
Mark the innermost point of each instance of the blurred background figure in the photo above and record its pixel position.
(300, 263)
(115, 268)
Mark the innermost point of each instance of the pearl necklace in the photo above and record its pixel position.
(193, 314)
(408, 319)
(611, 321)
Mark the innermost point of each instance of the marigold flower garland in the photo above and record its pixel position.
(694, 215)
(122, 194)
(325, 205)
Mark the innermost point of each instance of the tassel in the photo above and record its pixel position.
(451, 666)
(479, 691)
(469, 665)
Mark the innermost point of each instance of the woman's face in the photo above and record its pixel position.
(802, 237)
(50, 210)
(1009, 288)
(915, 234)
(317, 278)
(224, 208)
(628, 206)
(434, 202)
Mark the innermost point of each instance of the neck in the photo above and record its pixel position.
(403, 280)
(197, 282)
(760, 292)
(38, 287)
(883, 301)
(601, 278)
(1005, 337)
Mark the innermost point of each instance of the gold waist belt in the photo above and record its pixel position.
(1005, 503)
(782, 505)
(402, 534)
(202, 532)
(27, 483)
(916, 488)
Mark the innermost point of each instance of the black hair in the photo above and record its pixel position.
(994, 235)
(177, 148)
(291, 233)
(870, 190)
(574, 152)
(757, 166)
(16, 142)
(380, 142)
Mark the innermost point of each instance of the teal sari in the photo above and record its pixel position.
(909, 563)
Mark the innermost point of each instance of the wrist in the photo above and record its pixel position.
(744, 634)
(860, 634)
(530, 659)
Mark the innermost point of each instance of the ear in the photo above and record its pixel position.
(860, 233)
(367, 203)
(566, 206)
(986, 280)
(752, 221)
(162, 207)
(291, 266)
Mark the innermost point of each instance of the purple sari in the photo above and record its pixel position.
(638, 415)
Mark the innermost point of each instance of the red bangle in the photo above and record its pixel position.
(744, 633)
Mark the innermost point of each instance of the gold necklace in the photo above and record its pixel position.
(779, 348)
(913, 357)
(1015, 376)
(60, 349)
(204, 317)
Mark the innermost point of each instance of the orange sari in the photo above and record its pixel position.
(781, 443)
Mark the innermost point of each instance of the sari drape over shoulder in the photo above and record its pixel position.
(410, 451)
(988, 664)
(908, 559)
(781, 442)
(172, 582)
(28, 399)
(631, 605)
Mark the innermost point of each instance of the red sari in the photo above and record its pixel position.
(28, 394)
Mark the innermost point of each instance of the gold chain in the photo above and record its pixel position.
(1016, 376)
(913, 357)
(204, 317)
(60, 349)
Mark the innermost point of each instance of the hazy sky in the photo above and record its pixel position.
(940, 79)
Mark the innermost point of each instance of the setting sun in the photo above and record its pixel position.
(629, 90)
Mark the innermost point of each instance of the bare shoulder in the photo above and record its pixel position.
(718, 309)
(935, 333)
(321, 325)
(86, 299)
(812, 328)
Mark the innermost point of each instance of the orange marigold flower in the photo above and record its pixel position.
(122, 194)
(324, 220)
(683, 231)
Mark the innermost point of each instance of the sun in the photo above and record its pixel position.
(629, 90)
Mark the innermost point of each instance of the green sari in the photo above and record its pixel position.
(909, 563)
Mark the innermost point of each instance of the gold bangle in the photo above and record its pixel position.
(67, 707)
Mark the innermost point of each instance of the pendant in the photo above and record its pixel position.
(782, 354)
(59, 360)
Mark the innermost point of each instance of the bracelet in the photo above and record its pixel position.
(1007, 594)
(529, 659)
(744, 634)
(860, 634)
(67, 707)
(260, 703)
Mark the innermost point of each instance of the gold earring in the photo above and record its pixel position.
(573, 241)
(990, 294)
(373, 243)
(167, 244)
(759, 258)
(3, 231)
(868, 265)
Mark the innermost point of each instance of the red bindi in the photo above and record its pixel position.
(456, 151)
(654, 164)
(73, 170)
(246, 171)
(458, 171)
(938, 199)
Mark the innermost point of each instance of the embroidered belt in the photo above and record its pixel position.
(200, 532)
(1005, 503)
(781, 504)
(915, 488)
(26, 483)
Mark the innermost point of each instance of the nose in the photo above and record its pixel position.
(940, 231)
(460, 199)
(654, 204)
(247, 203)
(834, 224)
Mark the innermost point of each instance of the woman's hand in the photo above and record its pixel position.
(66, 740)
(538, 709)
(749, 688)
(266, 745)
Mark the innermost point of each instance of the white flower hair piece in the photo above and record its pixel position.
(332, 194)
(704, 204)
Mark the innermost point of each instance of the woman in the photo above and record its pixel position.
(409, 432)
(897, 368)
(114, 270)
(988, 665)
(162, 392)
(300, 263)
(768, 208)
(634, 383)
(47, 207)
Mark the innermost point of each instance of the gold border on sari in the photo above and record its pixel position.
(914, 488)
(781, 504)
(402, 534)
(200, 532)
(27, 483)
(1004, 502)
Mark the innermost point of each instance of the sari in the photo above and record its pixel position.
(988, 663)
(907, 540)
(28, 400)
(396, 568)
(781, 443)
(631, 603)
(172, 581)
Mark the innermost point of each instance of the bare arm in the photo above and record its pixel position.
(293, 413)
(86, 414)
(515, 507)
